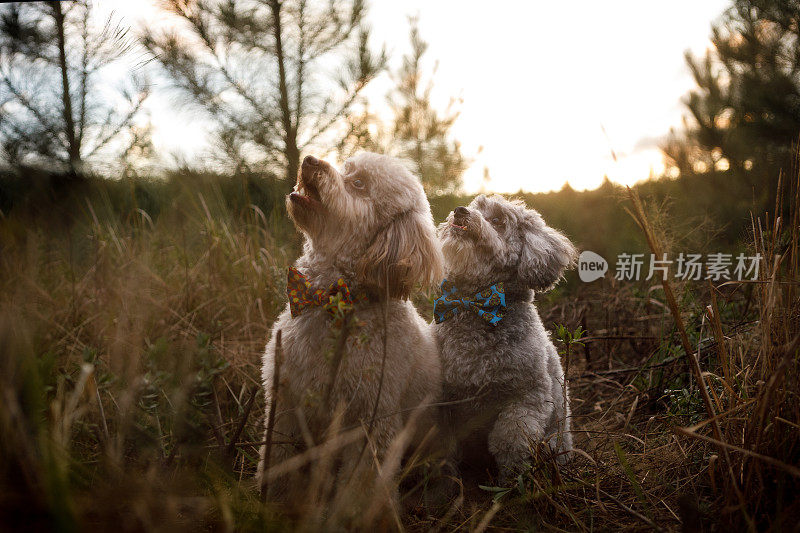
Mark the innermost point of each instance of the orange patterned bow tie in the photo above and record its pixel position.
(301, 295)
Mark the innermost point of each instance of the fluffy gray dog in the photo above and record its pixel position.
(502, 377)
(369, 240)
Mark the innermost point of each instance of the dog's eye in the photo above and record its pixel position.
(358, 184)
(496, 221)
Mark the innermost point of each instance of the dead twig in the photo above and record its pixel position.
(273, 403)
(338, 355)
(793, 470)
(374, 415)
(215, 425)
(621, 505)
(641, 219)
(231, 449)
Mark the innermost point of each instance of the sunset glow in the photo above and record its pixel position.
(547, 95)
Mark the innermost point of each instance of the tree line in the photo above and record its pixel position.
(744, 113)
(277, 78)
(273, 77)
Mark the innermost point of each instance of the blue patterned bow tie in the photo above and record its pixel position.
(488, 303)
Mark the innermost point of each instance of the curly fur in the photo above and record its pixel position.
(506, 381)
(371, 225)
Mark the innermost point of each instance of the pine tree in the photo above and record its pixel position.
(276, 76)
(745, 111)
(56, 110)
(417, 132)
(420, 132)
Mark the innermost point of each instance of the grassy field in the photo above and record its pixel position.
(133, 314)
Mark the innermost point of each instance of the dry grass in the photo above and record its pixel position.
(131, 395)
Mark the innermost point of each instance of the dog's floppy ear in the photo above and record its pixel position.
(546, 253)
(402, 254)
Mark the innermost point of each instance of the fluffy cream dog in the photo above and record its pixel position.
(502, 378)
(369, 225)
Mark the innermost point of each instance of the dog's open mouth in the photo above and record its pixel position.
(454, 225)
(305, 193)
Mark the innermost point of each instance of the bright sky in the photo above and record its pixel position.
(539, 81)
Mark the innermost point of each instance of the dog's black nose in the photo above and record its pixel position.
(461, 211)
(310, 161)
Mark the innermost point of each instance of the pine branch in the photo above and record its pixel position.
(27, 104)
(120, 126)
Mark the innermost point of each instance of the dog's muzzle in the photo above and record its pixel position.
(306, 191)
(461, 217)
